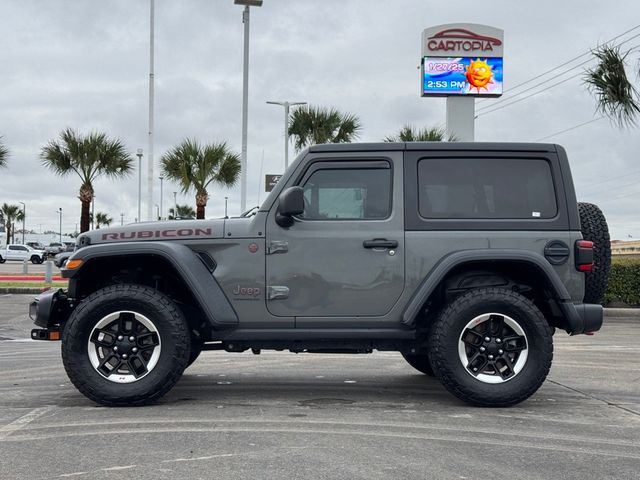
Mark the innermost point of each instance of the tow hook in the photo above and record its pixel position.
(44, 334)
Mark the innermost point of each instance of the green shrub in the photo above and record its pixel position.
(624, 281)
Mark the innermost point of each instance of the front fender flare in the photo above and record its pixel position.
(187, 264)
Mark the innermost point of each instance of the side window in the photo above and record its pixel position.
(348, 194)
(488, 188)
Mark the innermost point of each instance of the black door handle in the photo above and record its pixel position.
(380, 243)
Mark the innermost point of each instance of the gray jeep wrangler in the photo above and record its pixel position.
(463, 257)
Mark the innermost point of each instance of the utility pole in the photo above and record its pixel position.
(151, 99)
(161, 178)
(139, 154)
(286, 106)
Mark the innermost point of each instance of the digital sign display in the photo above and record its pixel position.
(473, 76)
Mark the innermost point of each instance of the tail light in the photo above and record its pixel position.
(584, 255)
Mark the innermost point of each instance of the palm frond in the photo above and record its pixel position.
(615, 95)
(310, 125)
(4, 154)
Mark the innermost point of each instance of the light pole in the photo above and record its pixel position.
(24, 216)
(60, 213)
(161, 178)
(245, 98)
(175, 206)
(225, 207)
(139, 154)
(121, 219)
(157, 210)
(286, 106)
(151, 98)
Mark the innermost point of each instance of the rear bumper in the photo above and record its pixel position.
(583, 317)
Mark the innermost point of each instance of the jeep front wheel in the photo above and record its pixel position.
(125, 345)
(491, 347)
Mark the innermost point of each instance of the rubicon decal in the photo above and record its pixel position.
(170, 233)
(461, 39)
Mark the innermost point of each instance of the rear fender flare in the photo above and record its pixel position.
(455, 259)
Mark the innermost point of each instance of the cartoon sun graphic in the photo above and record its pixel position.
(479, 74)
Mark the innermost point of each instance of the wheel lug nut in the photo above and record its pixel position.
(134, 349)
(132, 338)
(490, 357)
(124, 355)
(120, 337)
(487, 339)
(475, 369)
(498, 340)
(482, 349)
(115, 349)
(500, 352)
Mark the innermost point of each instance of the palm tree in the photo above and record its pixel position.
(103, 219)
(182, 212)
(311, 125)
(608, 82)
(4, 155)
(11, 214)
(90, 157)
(409, 133)
(195, 167)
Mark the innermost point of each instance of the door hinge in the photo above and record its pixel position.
(277, 246)
(277, 291)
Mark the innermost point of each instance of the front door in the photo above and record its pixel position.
(344, 256)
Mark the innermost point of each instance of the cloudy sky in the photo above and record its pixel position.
(84, 64)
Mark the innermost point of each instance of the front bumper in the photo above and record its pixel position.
(50, 309)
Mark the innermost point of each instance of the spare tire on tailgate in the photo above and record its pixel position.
(594, 227)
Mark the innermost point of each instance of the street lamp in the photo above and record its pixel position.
(161, 178)
(245, 98)
(157, 210)
(175, 206)
(139, 154)
(60, 213)
(152, 16)
(24, 216)
(286, 106)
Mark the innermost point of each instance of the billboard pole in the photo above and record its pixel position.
(461, 118)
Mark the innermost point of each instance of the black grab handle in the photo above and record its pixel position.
(380, 243)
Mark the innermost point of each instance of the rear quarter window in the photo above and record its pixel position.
(486, 188)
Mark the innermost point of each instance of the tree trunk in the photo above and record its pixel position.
(201, 202)
(86, 196)
(8, 227)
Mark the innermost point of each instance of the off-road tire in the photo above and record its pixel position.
(420, 362)
(445, 335)
(174, 337)
(594, 227)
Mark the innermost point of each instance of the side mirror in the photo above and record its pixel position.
(290, 203)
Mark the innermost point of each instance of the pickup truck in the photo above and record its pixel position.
(21, 252)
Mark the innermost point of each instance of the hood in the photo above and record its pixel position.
(155, 231)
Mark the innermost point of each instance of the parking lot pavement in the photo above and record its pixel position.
(281, 415)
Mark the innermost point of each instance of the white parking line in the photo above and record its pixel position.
(23, 421)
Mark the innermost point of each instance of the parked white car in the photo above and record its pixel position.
(21, 252)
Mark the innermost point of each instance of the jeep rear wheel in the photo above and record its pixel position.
(420, 362)
(491, 347)
(125, 345)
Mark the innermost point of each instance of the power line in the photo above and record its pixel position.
(570, 128)
(567, 62)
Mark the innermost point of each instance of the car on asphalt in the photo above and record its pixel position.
(60, 260)
(20, 253)
(463, 257)
(54, 248)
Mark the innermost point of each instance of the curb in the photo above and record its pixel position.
(622, 312)
(22, 290)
